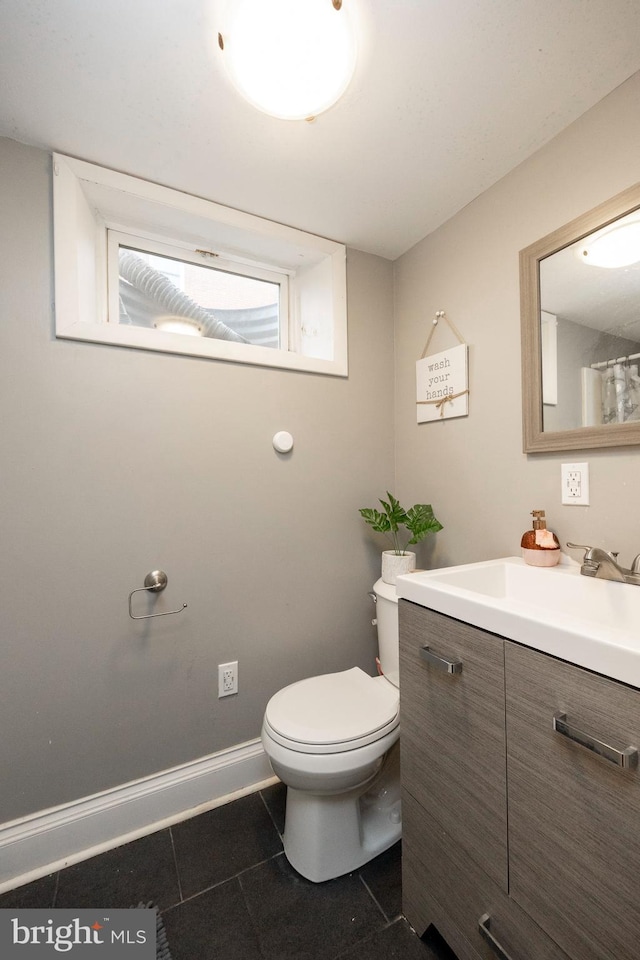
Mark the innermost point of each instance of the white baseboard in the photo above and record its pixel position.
(50, 840)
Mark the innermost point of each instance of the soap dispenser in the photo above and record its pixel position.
(540, 547)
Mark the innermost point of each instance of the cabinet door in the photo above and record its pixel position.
(443, 886)
(452, 741)
(574, 816)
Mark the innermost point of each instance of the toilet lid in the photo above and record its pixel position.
(334, 708)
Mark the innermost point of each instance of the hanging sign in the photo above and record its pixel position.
(442, 385)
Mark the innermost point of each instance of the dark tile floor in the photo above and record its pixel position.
(226, 890)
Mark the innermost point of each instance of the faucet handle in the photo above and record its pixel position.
(635, 566)
(579, 546)
(593, 555)
(583, 546)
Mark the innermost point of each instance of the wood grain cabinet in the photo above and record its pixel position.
(453, 733)
(574, 804)
(521, 797)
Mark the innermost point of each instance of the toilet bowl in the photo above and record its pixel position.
(333, 740)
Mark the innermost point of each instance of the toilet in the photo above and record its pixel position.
(333, 740)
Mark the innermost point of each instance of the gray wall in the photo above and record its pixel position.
(116, 462)
(472, 469)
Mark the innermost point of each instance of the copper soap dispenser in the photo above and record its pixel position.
(540, 547)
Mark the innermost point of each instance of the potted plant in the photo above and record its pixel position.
(418, 522)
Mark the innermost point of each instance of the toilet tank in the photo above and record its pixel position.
(388, 637)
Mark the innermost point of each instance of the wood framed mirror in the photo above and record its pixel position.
(580, 316)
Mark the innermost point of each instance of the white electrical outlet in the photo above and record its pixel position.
(227, 679)
(575, 483)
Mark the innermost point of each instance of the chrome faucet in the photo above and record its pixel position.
(598, 563)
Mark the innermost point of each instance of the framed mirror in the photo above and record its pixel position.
(580, 314)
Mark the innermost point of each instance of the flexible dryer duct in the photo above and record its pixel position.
(176, 303)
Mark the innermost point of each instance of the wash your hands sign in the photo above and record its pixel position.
(442, 385)
(442, 379)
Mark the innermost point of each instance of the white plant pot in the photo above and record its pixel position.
(395, 564)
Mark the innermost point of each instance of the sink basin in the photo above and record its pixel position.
(592, 623)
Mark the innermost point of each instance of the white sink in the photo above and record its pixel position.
(592, 623)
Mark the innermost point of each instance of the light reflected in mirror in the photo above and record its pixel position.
(581, 331)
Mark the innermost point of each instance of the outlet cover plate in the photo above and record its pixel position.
(575, 484)
(227, 679)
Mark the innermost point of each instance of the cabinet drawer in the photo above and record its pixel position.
(574, 816)
(452, 742)
(441, 884)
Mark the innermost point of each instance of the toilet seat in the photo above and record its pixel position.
(333, 713)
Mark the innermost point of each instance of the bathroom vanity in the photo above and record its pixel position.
(521, 789)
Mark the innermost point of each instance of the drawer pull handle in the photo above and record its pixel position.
(484, 925)
(627, 758)
(449, 666)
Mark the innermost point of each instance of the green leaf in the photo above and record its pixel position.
(394, 512)
(420, 522)
(375, 519)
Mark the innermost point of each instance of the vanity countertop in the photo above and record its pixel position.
(588, 622)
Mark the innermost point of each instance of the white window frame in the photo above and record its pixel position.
(117, 239)
(90, 201)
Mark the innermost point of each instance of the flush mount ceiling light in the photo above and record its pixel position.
(289, 58)
(617, 247)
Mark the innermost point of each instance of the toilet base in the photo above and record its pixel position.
(328, 836)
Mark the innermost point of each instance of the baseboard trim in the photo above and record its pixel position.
(50, 840)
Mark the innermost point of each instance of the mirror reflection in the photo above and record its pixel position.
(590, 329)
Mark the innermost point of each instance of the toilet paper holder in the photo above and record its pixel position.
(154, 582)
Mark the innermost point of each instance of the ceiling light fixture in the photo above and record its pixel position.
(292, 59)
(617, 247)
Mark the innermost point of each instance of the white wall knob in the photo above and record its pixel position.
(283, 442)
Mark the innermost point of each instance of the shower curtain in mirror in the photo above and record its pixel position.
(620, 392)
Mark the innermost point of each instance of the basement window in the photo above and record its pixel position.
(140, 265)
(159, 287)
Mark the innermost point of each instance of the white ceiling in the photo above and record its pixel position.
(448, 96)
